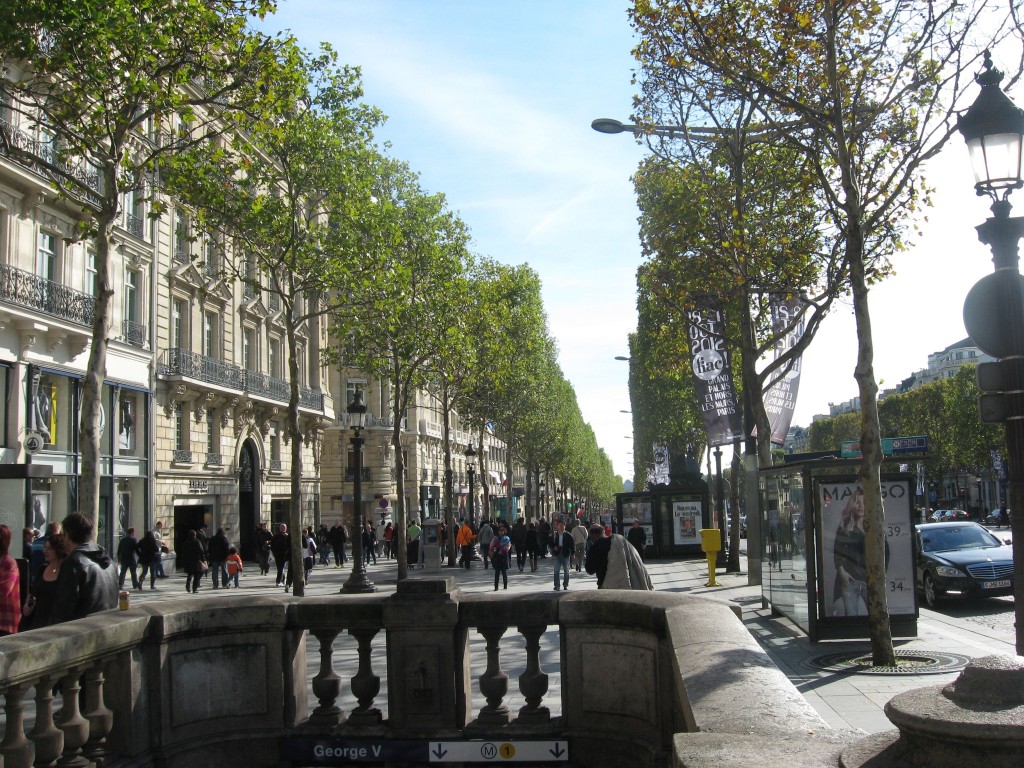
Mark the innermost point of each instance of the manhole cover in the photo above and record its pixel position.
(907, 663)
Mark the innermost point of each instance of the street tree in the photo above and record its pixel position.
(412, 316)
(107, 90)
(867, 91)
(290, 196)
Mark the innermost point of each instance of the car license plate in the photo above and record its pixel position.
(997, 584)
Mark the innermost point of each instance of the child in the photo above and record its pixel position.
(234, 563)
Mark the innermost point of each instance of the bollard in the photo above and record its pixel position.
(711, 543)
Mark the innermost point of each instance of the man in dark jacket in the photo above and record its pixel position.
(128, 559)
(263, 539)
(88, 577)
(637, 536)
(338, 536)
(217, 550)
(281, 548)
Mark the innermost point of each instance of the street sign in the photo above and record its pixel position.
(379, 751)
(891, 446)
(498, 751)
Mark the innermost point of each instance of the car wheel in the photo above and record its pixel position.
(931, 596)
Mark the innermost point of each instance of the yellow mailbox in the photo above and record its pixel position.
(711, 543)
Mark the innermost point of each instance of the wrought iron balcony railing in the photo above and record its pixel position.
(275, 465)
(181, 362)
(182, 252)
(181, 457)
(46, 152)
(215, 460)
(25, 289)
(350, 474)
(136, 226)
(134, 333)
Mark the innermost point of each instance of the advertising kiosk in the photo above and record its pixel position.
(812, 545)
(673, 514)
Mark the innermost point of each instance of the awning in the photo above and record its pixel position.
(495, 477)
(24, 471)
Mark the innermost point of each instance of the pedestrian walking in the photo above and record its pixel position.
(217, 552)
(149, 553)
(485, 537)
(562, 548)
(464, 541)
(127, 558)
(338, 536)
(532, 545)
(193, 561)
(263, 539)
(637, 536)
(10, 586)
(500, 557)
(579, 540)
(235, 565)
(518, 537)
(369, 544)
(281, 549)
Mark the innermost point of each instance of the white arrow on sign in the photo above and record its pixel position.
(498, 751)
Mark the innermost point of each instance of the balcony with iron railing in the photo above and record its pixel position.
(46, 152)
(350, 474)
(180, 456)
(191, 365)
(134, 333)
(33, 292)
(275, 465)
(135, 226)
(215, 460)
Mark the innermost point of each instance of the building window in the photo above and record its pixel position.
(212, 436)
(275, 443)
(250, 357)
(182, 234)
(211, 345)
(131, 295)
(181, 441)
(274, 358)
(46, 257)
(91, 278)
(351, 388)
(127, 430)
(179, 324)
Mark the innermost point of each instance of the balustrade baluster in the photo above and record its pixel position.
(70, 720)
(16, 750)
(326, 684)
(533, 683)
(493, 682)
(48, 738)
(365, 684)
(101, 719)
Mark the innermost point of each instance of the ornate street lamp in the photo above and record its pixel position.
(993, 128)
(357, 580)
(470, 470)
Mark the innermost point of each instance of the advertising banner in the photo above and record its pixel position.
(712, 376)
(843, 574)
(686, 522)
(780, 400)
(659, 475)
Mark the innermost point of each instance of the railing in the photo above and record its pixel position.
(134, 333)
(636, 674)
(135, 226)
(45, 151)
(181, 362)
(181, 457)
(28, 290)
(215, 460)
(182, 251)
(275, 465)
(350, 474)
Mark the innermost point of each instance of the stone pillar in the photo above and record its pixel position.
(428, 660)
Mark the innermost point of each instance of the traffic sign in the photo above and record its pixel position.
(891, 446)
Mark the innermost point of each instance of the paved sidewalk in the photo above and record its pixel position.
(845, 699)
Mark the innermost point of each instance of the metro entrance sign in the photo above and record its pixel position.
(311, 751)
(891, 446)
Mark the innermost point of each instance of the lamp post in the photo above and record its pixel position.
(471, 471)
(993, 128)
(357, 580)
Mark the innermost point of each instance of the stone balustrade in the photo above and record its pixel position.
(641, 679)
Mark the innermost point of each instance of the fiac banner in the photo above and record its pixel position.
(788, 329)
(712, 375)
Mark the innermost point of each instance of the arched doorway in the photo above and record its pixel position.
(248, 499)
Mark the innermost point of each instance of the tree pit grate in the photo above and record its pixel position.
(908, 662)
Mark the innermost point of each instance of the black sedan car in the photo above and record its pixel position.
(961, 558)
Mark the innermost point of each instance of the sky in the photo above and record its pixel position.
(491, 101)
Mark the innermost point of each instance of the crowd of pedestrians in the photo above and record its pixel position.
(71, 576)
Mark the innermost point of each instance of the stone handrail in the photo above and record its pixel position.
(644, 676)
